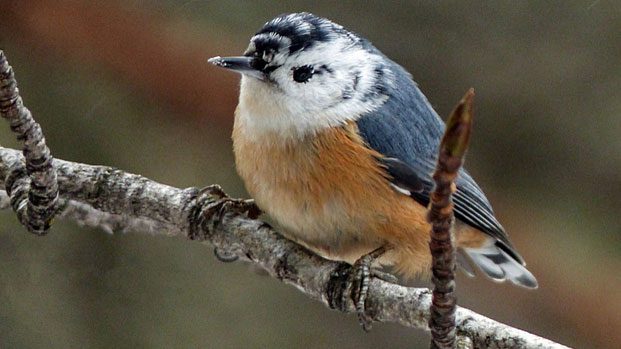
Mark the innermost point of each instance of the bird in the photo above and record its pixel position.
(337, 144)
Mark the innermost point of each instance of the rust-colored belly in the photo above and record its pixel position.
(329, 193)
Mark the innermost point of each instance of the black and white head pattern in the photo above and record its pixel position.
(316, 74)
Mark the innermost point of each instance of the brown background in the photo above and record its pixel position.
(126, 84)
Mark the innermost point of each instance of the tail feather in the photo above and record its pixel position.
(464, 263)
(500, 266)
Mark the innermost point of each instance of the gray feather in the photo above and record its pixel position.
(464, 263)
(407, 128)
(500, 266)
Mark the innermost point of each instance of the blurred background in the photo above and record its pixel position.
(127, 84)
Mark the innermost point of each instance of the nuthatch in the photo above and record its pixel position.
(337, 144)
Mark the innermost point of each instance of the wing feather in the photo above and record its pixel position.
(407, 131)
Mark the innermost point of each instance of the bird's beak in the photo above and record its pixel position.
(241, 64)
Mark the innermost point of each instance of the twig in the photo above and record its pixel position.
(115, 200)
(451, 154)
(32, 188)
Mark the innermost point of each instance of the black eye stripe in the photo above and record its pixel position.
(271, 68)
(327, 69)
(258, 64)
(303, 73)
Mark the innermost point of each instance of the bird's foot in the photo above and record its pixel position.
(355, 279)
(223, 203)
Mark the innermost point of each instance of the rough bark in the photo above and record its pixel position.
(450, 159)
(33, 183)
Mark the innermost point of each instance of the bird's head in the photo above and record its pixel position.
(302, 73)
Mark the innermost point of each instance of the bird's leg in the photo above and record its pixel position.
(357, 278)
(362, 271)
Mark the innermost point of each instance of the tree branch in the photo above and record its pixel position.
(450, 158)
(116, 201)
(34, 184)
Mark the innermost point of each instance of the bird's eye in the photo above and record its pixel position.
(303, 73)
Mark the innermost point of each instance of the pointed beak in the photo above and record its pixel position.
(241, 64)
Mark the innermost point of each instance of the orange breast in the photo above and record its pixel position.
(328, 192)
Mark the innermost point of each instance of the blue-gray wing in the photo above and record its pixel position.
(406, 128)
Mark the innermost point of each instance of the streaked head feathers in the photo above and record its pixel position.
(307, 73)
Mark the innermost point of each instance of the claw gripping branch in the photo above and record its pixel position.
(32, 186)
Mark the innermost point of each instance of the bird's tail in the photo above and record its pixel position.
(499, 265)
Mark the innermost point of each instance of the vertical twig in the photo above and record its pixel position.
(33, 188)
(440, 215)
